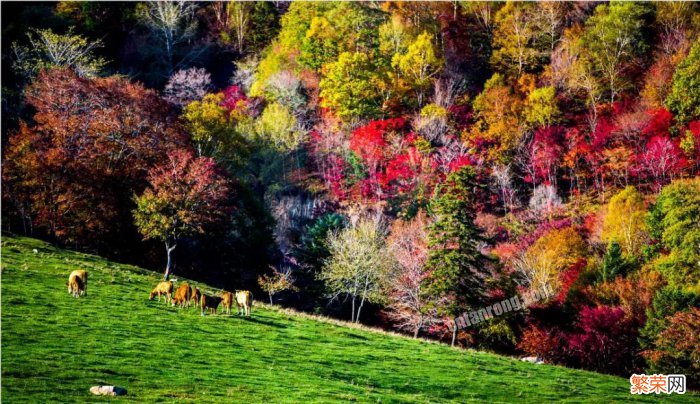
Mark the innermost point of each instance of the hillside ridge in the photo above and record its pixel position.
(55, 347)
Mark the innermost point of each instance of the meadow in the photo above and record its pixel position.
(55, 347)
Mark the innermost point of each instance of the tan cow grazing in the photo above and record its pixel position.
(227, 301)
(75, 285)
(196, 295)
(209, 302)
(162, 289)
(244, 300)
(182, 295)
(77, 282)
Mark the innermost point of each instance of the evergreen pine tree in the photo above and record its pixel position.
(454, 260)
(614, 263)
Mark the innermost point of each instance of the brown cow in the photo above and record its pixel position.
(75, 285)
(162, 289)
(244, 300)
(196, 295)
(77, 282)
(182, 295)
(227, 301)
(209, 302)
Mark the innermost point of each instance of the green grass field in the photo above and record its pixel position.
(55, 347)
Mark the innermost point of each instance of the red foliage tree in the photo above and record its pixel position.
(605, 341)
(458, 162)
(546, 152)
(369, 144)
(401, 171)
(661, 161)
(546, 344)
(234, 98)
(569, 278)
(659, 124)
(185, 194)
(599, 140)
(395, 168)
(574, 159)
(73, 171)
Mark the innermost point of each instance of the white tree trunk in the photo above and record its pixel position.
(169, 266)
(352, 310)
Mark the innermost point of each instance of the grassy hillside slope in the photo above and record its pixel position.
(54, 347)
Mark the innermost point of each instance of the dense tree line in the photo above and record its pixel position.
(394, 163)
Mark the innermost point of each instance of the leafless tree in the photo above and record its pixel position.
(172, 22)
(408, 307)
(286, 88)
(239, 19)
(551, 19)
(188, 85)
(503, 181)
(675, 21)
(545, 199)
(244, 76)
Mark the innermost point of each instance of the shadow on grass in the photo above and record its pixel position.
(251, 319)
(356, 336)
(263, 322)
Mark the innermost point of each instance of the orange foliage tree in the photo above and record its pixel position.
(88, 149)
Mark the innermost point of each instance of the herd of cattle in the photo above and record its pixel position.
(184, 296)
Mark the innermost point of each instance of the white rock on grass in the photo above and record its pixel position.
(107, 390)
(532, 359)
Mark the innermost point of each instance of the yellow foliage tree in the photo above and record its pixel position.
(542, 263)
(213, 130)
(624, 221)
(351, 87)
(498, 110)
(541, 107)
(279, 126)
(419, 64)
(515, 40)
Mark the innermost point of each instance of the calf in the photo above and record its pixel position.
(162, 289)
(244, 300)
(196, 295)
(209, 302)
(227, 301)
(182, 295)
(77, 283)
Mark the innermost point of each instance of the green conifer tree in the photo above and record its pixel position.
(456, 264)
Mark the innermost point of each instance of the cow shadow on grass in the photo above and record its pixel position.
(256, 320)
